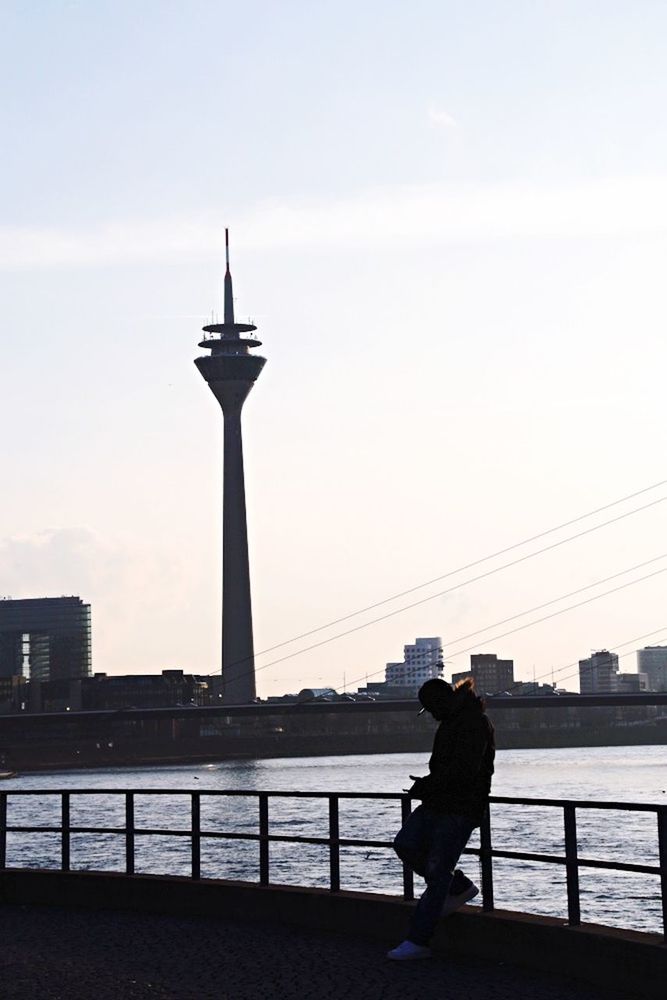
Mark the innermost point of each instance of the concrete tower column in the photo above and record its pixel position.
(238, 657)
(231, 372)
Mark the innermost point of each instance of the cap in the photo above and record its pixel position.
(434, 694)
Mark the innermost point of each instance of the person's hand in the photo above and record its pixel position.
(418, 789)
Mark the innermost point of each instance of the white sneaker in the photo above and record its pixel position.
(407, 951)
(453, 903)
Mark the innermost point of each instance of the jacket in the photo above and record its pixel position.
(461, 764)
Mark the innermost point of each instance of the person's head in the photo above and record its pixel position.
(436, 697)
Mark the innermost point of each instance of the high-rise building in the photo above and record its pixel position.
(47, 638)
(652, 661)
(491, 675)
(231, 371)
(422, 660)
(597, 673)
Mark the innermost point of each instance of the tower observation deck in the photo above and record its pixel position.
(231, 371)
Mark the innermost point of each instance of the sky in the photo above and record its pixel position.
(449, 222)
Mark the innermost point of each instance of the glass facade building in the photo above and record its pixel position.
(47, 638)
(652, 661)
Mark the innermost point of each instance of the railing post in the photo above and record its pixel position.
(263, 838)
(3, 829)
(64, 831)
(571, 865)
(196, 834)
(334, 845)
(408, 877)
(486, 861)
(129, 833)
(662, 849)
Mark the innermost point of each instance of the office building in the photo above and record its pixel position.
(44, 639)
(422, 661)
(630, 683)
(491, 675)
(597, 673)
(231, 371)
(102, 692)
(652, 661)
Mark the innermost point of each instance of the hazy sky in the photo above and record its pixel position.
(449, 221)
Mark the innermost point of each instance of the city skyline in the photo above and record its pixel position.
(458, 268)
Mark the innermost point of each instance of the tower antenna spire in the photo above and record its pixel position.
(229, 296)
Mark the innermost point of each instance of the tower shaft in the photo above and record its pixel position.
(238, 658)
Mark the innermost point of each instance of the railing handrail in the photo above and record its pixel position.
(486, 852)
(280, 793)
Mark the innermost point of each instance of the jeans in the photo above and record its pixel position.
(431, 844)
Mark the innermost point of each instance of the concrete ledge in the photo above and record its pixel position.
(621, 960)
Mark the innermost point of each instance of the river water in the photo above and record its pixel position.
(616, 774)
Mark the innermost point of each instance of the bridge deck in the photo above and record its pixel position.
(63, 954)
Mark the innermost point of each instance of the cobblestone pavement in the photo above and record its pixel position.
(59, 954)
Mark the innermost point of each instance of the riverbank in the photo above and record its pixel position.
(113, 749)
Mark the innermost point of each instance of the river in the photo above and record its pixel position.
(618, 774)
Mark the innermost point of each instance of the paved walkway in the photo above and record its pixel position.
(58, 954)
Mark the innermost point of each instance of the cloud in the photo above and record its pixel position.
(137, 592)
(68, 561)
(54, 562)
(109, 243)
(417, 215)
(441, 118)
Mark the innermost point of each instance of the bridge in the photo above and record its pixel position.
(182, 733)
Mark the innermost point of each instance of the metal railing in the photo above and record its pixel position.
(571, 859)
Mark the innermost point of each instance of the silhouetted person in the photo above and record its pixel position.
(454, 797)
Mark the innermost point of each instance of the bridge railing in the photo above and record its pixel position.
(571, 860)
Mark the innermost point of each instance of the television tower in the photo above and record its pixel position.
(231, 372)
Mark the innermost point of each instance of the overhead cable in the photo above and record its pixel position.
(470, 565)
(449, 590)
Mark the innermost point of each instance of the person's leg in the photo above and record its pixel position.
(448, 838)
(412, 841)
